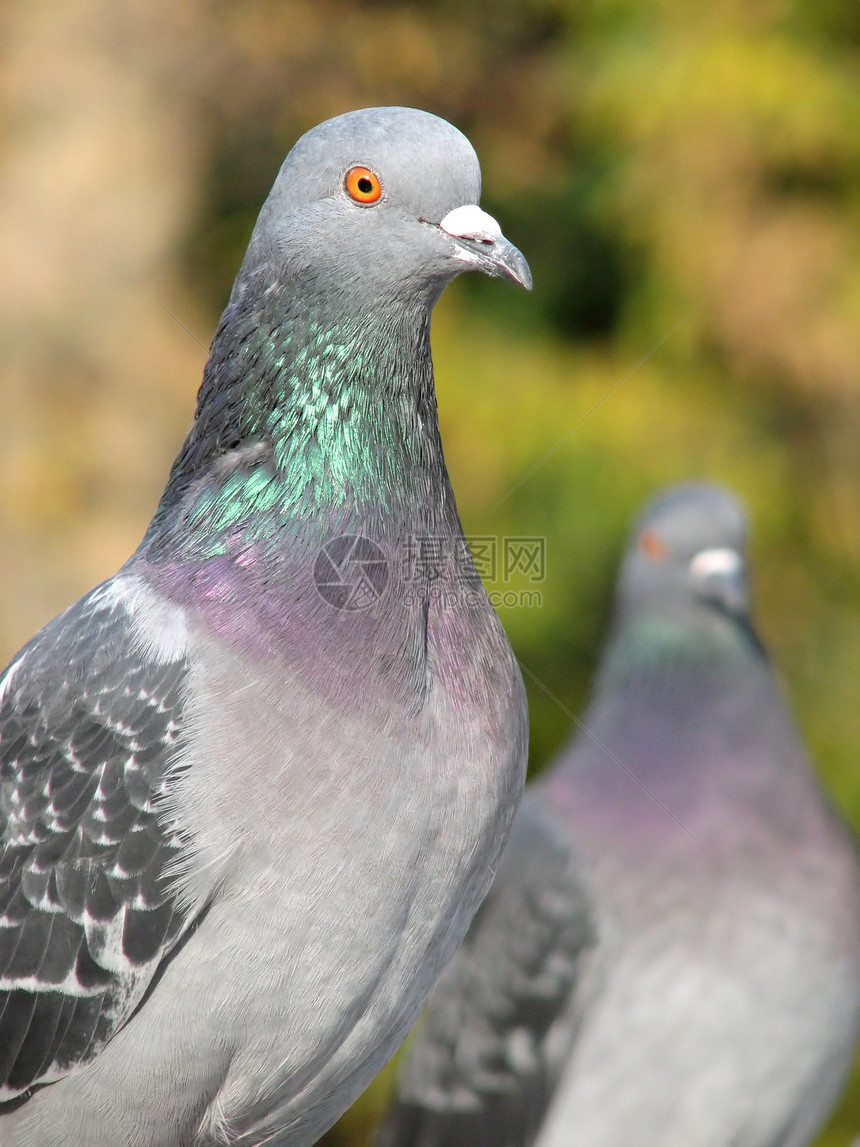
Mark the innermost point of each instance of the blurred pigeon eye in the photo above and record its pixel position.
(652, 546)
(362, 185)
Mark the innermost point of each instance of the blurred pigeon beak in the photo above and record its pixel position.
(479, 241)
(721, 576)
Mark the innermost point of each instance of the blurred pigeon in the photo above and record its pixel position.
(254, 786)
(670, 955)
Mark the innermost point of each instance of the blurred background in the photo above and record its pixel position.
(682, 178)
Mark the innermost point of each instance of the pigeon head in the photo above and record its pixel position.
(377, 204)
(688, 547)
(318, 403)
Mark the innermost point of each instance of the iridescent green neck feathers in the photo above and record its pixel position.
(301, 421)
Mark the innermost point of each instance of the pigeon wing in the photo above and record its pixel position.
(90, 731)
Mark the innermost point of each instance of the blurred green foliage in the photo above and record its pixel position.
(684, 181)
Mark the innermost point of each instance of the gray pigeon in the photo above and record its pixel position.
(670, 955)
(255, 784)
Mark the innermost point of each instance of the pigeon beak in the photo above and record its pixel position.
(721, 576)
(479, 241)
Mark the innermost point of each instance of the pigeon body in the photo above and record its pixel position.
(254, 785)
(670, 955)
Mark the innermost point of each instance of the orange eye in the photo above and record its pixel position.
(652, 546)
(363, 185)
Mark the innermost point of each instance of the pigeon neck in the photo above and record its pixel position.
(666, 652)
(304, 426)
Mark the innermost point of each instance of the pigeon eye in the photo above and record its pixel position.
(652, 546)
(362, 185)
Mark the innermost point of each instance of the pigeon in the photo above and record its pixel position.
(670, 953)
(254, 785)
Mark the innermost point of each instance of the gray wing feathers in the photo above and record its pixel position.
(479, 1072)
(88, 731)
